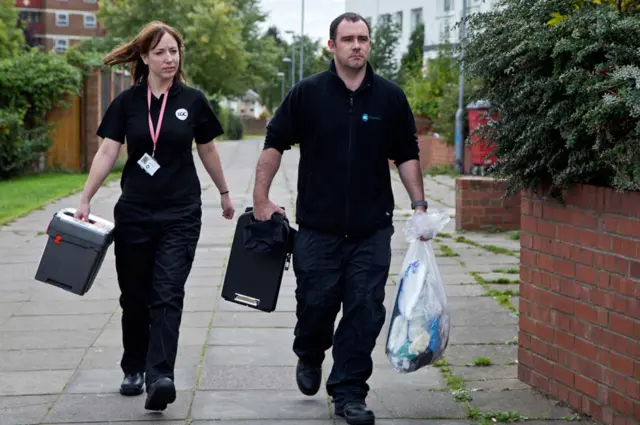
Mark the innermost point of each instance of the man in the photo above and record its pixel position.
(348, 122)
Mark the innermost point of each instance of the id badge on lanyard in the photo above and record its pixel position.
(148, 163)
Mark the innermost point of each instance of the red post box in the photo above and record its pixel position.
(481, 150)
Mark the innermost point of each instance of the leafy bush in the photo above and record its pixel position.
(235, 128)
(19, 146)
(427, 94)
(567, 91)
(231, 123)
(37, 82)
(32, 85)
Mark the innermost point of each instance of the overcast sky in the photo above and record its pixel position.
(318, 14)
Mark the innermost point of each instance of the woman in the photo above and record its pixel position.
(158, 216)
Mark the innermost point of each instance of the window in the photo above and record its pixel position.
(90, 1)
(398, 19)
(62, 19)
(445, 30)
(90, 21)
(60, 44)
(448, 5)
(416, 18)
(30, 17)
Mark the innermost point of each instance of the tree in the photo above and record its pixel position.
(271, 91)
(11, 37)
(411, 62)
(383, 51)
(216, 54)
(322, 61)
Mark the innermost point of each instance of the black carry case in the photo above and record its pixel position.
(254, 271)
(74, 251)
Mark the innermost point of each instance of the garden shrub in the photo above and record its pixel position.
(32, 85)
(563, 76)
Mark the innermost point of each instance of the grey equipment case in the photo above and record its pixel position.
(74, 251)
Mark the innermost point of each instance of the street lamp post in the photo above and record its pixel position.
(459, 142)
(293, 57)
(281, 75)
(301, 40)
(293, 71)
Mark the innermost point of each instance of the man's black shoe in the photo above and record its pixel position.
(132, 384)
(160, 393)
(308, 378)
(356, 413)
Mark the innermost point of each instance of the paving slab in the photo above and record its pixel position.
(259, 405)
(525, 402)
(39, 382)
(60, 353)
(86, 408)
(25, 409)
(41, 359)
(461, 355)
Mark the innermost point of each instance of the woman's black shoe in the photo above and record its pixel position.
(159, 394)
(132, 384)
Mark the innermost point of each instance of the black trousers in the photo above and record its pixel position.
(154, 250)
(332, 271)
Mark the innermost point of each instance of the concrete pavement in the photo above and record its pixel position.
(59, 353)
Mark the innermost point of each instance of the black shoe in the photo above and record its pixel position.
(356, 413)
(159, 394)
(132, 384)
(308, 378)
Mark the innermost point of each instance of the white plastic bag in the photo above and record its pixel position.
(419, 329)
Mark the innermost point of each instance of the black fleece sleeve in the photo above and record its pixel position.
(282, 128)
(405, 145)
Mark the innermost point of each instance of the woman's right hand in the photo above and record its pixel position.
(82, 212)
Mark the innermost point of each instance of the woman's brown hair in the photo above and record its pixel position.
(146, 40)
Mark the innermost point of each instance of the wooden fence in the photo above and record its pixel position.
(74, 128)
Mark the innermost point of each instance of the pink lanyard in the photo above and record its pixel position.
(156, 132)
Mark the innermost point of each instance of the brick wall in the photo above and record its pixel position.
(254, 126)
(480, 205)
(435, 152)
(580, 301)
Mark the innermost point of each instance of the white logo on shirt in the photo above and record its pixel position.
(182, 114)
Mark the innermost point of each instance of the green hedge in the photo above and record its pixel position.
(563, 76)
(32, 85)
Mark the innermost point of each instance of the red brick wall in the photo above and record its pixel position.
(434, 151)
(479, 205)
(254, 126)
(580, 301)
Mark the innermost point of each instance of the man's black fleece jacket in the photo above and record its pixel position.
(346, 139)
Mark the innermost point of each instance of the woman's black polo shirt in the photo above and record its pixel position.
(188, 116)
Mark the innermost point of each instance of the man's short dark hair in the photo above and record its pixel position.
(348, 16)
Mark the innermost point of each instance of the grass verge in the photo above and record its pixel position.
(22, 195)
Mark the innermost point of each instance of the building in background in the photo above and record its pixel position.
(59, 24)
(438, 16)
(247, 106)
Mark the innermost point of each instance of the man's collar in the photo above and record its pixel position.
(368, 76)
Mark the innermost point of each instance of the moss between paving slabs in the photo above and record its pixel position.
(507, 271)
(503, 298)
(487, 247)
(456, 384)
(461, 394)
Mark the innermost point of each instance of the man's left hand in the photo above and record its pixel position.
(422, 209)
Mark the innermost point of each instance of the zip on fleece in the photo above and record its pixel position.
(346, 205)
